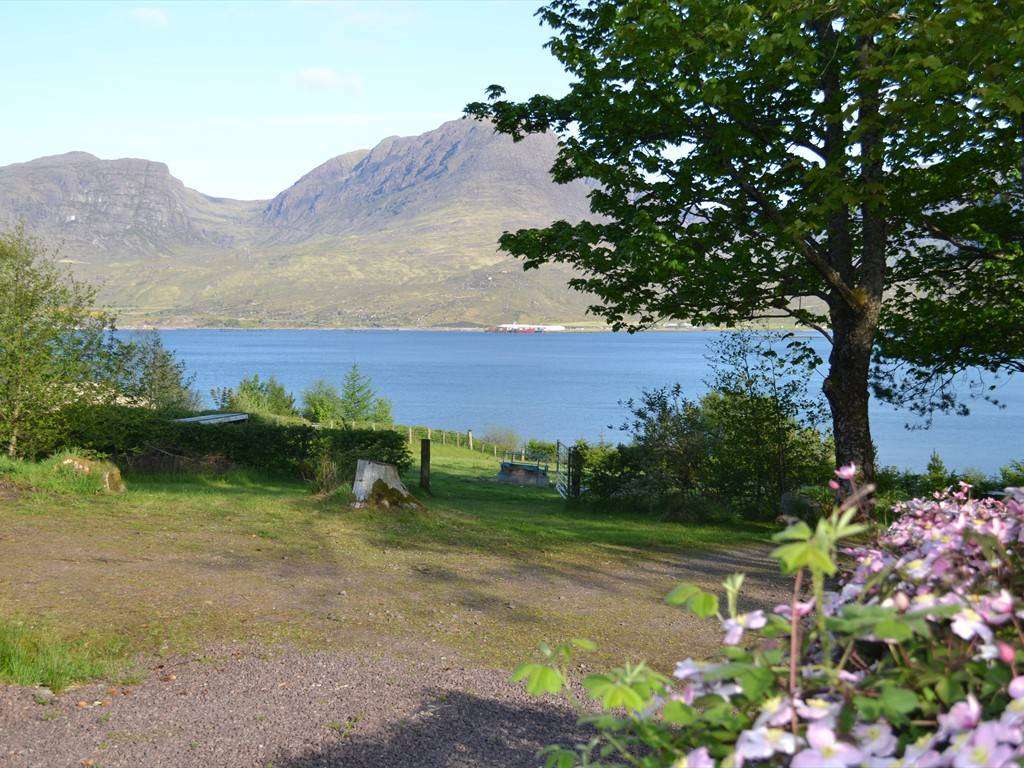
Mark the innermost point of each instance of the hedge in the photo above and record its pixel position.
(126, 433)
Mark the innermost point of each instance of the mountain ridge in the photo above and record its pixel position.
(403, 233)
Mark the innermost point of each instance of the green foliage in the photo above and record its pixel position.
(321, 403)
(55, 347)
(293, 449)
(359, 401)
(742, 449)
(839, 163)
(154, 378)
(540, 450)
(266, 397)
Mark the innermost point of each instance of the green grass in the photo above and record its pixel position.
(41, 656)
(49, 475)
(468, 509)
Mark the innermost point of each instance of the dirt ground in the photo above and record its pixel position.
(239, 707)
(272, 630)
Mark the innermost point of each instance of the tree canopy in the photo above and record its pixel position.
(853, 166)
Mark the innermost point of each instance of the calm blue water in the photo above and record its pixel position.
(553, 386)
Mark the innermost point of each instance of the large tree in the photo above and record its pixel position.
(855, 166)
(55, 347)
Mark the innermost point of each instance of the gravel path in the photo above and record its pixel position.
(287, 710)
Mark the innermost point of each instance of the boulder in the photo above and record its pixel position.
(377, 484)
(108, 475)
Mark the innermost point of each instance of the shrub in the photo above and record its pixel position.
(740, 451)
(253, 395)
(321, 403)
(905, 651)
(292, 449)
(540, 450)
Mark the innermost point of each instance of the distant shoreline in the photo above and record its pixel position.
(409, 329)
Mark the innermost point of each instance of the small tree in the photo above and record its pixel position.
(764, 420)
(55, 346)
(359, 401)
(154, 378)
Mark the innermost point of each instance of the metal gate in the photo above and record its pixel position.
(568, 470)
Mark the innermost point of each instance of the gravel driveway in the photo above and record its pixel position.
(240, 707)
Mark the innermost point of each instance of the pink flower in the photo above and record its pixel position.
(1016, 687)
(847, 472)
(817, 709)
(1006, 652)
(826, 751)
(687, 669)
(698, 758)
(761, 743)
(775, 711)
(734, 627)
(876, 738)
(968, 623)
(962, 716)
(982, 750)
(802, 609)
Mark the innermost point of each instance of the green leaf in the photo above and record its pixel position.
(898, 701)
(704, 605)
(796, 532)
(869, 709)
(682, 593)
(949, 690)
(677, 713)
(584, 644)
(891, 629)
(540, 679)
(612, 693)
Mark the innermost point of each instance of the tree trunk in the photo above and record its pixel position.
(846, 388)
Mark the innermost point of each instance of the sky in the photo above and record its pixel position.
(241, 99)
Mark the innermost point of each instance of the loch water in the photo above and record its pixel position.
(553, 385)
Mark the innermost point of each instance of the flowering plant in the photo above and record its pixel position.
(907, 651)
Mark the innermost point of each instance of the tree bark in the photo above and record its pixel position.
(846, 387)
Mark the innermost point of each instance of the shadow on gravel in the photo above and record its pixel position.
(452, 730)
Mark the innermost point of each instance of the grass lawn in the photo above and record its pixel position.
(483, 573)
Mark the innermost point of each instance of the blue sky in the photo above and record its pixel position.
(240, 99)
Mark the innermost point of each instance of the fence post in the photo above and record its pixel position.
(429, 433)
(410, 436)
(495, 447)
(470, 436)
(425, 464)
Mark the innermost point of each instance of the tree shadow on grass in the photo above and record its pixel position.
(452, 729)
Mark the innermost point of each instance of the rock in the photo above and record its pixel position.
(378, 485)
(109, 475)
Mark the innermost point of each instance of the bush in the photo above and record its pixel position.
(540, 450)
(737, 450)
(125, 433)
(266, 397)
(913, 658)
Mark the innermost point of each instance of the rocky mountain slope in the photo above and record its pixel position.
(404, 233)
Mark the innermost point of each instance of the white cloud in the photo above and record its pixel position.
(325, 78)
(154, 17)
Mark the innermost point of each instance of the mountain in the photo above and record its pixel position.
(403, 234)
